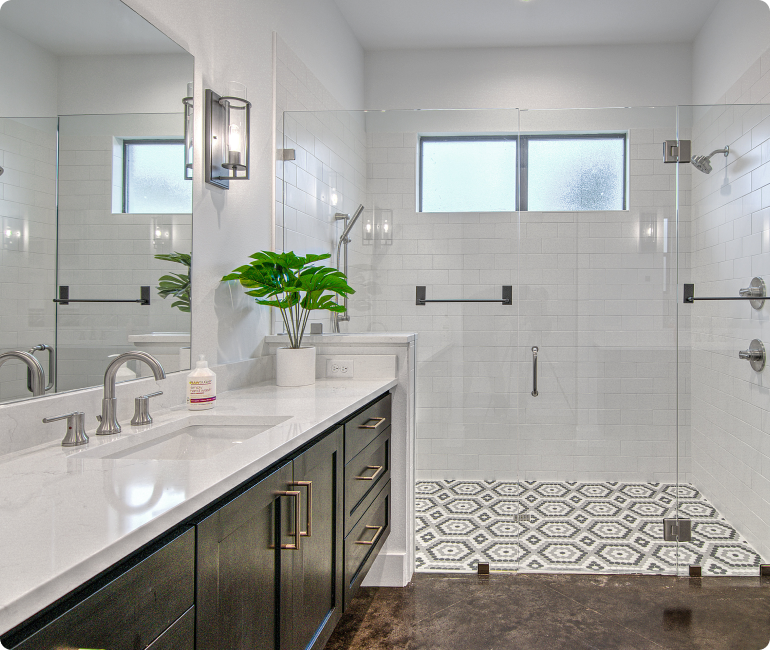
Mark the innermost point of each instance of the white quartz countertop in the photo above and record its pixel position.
(65, 516)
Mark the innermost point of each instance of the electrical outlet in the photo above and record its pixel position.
(341, 368)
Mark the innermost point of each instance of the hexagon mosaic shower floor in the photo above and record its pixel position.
(605, 527)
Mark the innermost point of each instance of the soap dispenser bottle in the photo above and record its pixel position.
(201, 387)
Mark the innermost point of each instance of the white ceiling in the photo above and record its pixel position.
(88, 27)
(404, 24)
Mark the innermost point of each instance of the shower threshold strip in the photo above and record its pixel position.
(600, 527)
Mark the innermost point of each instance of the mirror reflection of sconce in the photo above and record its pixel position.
(385, 227)
(11, 235)
(161, 236)
(368, 227)
(188, 132)
(227, 136)
(648, 236)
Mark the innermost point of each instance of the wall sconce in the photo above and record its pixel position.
(188, 133)
(227, 136)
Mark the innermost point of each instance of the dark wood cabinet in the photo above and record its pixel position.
(132, 610)
(271, 565)
(316, 573)
(239, 573)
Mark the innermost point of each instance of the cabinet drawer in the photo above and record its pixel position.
(363, 427)
(131, 611)
(364, 476)
(180, 635)
(365, 540)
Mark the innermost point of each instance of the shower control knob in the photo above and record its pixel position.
(755, 355)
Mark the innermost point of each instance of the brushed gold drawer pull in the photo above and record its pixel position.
(309, 485)
(379, 422)
(377, 469)
(297, 515)
(374, 539)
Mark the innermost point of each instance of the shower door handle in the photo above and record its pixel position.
(534, 371)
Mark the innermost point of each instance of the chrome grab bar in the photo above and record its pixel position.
(51, 365)
(534, 371)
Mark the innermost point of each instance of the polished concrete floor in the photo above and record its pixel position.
(559, 611)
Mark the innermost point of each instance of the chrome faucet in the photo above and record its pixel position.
(108, 421)
(37, 375)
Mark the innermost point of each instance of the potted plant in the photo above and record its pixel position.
(295, 286)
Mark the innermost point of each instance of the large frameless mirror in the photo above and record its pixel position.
(95, 193)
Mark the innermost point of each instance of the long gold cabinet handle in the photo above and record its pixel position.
(379, 422)
(377, 469)
(297, 515)
(374, 539)
(309, 523)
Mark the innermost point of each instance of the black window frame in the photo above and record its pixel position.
(141, 141)
(522, 158)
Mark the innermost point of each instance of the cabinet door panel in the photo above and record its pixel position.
(133, 609)
(237, 570)
(317, 570)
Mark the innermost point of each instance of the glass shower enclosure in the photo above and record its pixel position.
(540, 255)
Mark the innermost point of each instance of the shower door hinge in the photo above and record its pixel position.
(286, 154)
(677, 151)
(677, 529)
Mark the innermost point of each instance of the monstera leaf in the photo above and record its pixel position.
(294, 285)
(176, 285)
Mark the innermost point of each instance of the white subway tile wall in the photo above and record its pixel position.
(596, 297)
(328, 174)
(731, 244)
(27, 244)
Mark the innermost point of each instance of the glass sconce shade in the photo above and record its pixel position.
(227, 136)
(189, 129)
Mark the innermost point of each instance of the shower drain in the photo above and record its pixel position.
(524, 517)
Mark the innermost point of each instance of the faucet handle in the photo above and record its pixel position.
(142, 409)
(76, 431)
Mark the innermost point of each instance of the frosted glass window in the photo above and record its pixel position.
(154, 177)
(576, 173)
(468, 175)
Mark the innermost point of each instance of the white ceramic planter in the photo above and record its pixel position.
(295, 367)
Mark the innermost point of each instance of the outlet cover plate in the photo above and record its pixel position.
(340, 368)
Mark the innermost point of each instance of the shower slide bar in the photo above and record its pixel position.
(755, 292)
(507, 298)
(64, 297)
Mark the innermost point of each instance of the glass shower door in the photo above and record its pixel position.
(724, 235)
(598, 285)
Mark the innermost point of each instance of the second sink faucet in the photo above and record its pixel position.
(108, 422)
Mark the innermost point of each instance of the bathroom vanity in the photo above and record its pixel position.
(257, 542)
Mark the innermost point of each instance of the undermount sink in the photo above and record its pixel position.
(190, 443)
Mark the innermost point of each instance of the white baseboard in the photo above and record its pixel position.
(389, 570)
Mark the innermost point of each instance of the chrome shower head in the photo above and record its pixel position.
(703, 163)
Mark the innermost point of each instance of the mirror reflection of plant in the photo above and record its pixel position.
(176, 285)
(293, 285)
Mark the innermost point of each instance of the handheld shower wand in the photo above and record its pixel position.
(344, 239)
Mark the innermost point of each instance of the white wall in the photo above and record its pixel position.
(227, 326)
(733, 38)
(533, 77)
(138, 83)
(31, 72)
